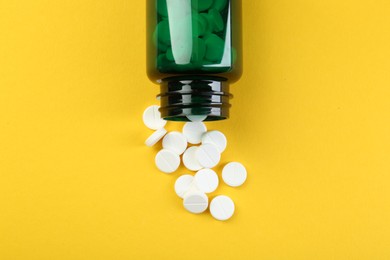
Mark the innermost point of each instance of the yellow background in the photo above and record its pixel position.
(310, 120)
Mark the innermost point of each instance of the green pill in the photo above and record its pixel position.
(201, 5)
(162, 8)
(216, 20)
(162, 62)
(170, 55)
(219, 4)
(161, 47)
(208, 26)
(198, 50)
(163, 33)
(214, 48)
(164, 65)
(199, 25)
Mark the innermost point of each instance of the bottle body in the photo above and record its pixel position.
(194, 53)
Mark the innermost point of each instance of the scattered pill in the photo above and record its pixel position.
(206, 180)
(152, 118)
(196, 118)
(155, 137)
(222, 207)
(208, 155)
(196, 202)
(193, 189)
(167, 161)
(216, 138)
(193, 131)
(189, 159)
(176, 142)
(183, 184)
(234, 174)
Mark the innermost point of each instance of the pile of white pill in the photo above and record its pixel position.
(203, 155)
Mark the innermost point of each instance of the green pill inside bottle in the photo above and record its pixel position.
(201, 5)
(216, 20)
(194, 52)
(199, 25)
(219, 4)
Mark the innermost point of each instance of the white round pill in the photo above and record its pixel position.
(183, 184)
(234, 174)
(216, 138)
(175, 141)
(196, 118)
(167, 161)
(208, 155)
(206, 180)
(222, 207)
(193, 131)
(155, 137)
(152, 118)
(193, 188)
(196, 202)
(189, 159)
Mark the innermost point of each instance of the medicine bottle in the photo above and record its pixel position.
(194, 54)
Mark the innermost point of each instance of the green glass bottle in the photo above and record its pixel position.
(194, 53)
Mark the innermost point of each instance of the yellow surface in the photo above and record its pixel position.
(310, 120)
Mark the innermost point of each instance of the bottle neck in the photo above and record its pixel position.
(185, 98)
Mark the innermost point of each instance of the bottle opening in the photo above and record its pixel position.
(194, 98)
